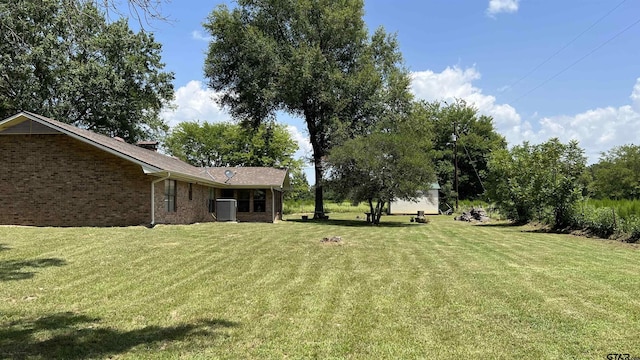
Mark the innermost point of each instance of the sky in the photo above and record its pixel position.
(541, 68)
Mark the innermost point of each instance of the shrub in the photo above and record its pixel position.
(601, 222)
(631, 228)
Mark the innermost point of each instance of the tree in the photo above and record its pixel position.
(391, 162)
(228, 144)
(310, 58)
(537, 181)
(617, 174)
(142, 11)
(463, 135)
(76, 68)
(300, 189)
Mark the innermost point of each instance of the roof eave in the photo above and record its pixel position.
(250, 186)
(185, 178)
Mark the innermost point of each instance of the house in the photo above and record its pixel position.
(55, 174)
(427, 201)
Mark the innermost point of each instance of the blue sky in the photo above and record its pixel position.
(483, 51)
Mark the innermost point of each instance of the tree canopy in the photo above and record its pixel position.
(537, 181)
(310, 58)
(617, 174)
(229, 144)
(391, 162)
(459, 129)
(68, 63)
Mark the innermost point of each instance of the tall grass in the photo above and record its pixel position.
(609, 218)
(624, 209)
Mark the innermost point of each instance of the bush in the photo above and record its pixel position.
(630, 227)
(601, 222)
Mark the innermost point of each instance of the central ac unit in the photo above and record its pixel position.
(226, 209)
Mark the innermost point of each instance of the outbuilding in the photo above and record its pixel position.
(426, 200)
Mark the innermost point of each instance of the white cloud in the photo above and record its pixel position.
(504, 88)
(304, 145)
(194, 102)
(455, 82)
(198, 35)
(502, 6)
(598, 130)
(635, 96)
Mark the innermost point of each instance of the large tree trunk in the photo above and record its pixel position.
(372, 211)
(378, 212)
(319, 198)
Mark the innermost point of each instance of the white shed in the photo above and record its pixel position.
(427, 201)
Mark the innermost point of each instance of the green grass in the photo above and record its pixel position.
(331, 207)
(445, 290)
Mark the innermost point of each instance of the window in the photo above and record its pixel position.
(190, 191)
(244, 199)
(227, 194)
(170, 195)
(212, 200)
(259, 201)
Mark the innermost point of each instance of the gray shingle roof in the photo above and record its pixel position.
(251, 176)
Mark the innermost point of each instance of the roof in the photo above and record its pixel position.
(251, 176)
(152, 162)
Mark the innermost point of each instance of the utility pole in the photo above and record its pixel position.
(455, 162)
(455, 155)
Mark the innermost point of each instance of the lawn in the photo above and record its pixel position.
(444, 290)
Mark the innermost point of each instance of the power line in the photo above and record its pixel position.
(577, 61)
(567, 45)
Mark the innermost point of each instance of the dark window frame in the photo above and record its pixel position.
(260, 202)
(244, 203)
(227, 194)
(212, 200)
(171, 195)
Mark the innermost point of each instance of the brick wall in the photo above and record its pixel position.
(188, 211)
(55, 180)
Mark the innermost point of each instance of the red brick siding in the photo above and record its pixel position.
(55, 180)
(188, 211)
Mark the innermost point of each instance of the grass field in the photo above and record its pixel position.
(444, 290)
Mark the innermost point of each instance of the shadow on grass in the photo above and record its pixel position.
(23, 269)
(4, 247)
(502, 225)
(532, 228)
(75, 336)
(358, 223)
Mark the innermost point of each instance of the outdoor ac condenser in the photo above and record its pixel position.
(226, 209)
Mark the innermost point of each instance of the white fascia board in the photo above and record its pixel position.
(184, 178)
(252, 186)
(11, 119)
